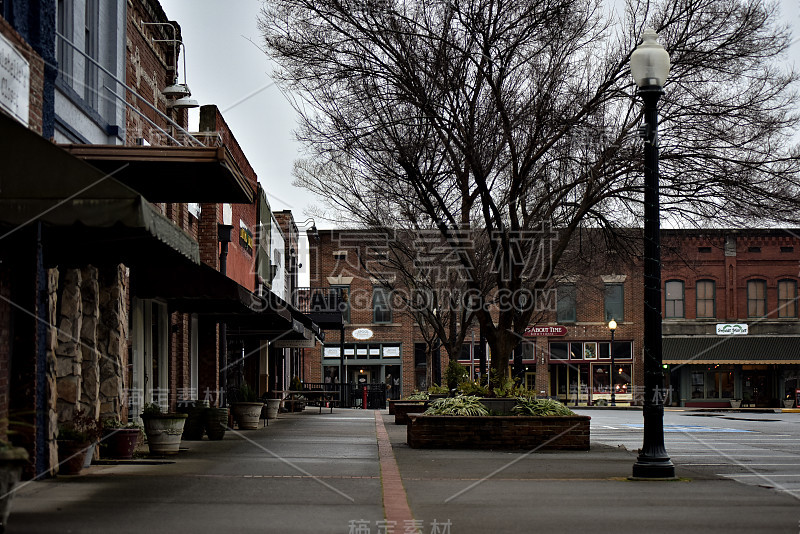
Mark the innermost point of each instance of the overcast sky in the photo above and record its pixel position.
(225, 68)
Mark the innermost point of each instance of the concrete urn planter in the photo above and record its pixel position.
(273, 406)
(12, 460)
(164, 432)
(247, 414)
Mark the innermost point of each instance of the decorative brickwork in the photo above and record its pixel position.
(498, 432)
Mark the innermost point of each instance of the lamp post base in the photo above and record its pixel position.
(653, 468)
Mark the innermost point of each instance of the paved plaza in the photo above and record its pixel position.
(351, 472)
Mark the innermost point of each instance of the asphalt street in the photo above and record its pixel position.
(759, 449)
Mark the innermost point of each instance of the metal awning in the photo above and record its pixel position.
(172, 173)
(88, 215)
(731, 350)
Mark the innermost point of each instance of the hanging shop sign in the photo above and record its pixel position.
(362, 333)
(15, 75)
(557, 330)
(729, 329)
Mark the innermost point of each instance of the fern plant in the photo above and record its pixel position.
(461, 405)
(540, 407)
(418, 395)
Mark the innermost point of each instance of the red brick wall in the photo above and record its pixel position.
(693, 256)
(36, 83)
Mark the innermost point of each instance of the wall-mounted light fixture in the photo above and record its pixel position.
(178, 94)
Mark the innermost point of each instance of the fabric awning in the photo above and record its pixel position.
(731, 350)
(172, 173)
(88, 214)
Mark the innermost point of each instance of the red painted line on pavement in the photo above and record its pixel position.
(395, 501)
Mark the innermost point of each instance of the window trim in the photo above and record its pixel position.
(572, 297)
(782, 301)
(682, 300)
(609, 316)
(753, 283)
(713, 299)
(378, 290)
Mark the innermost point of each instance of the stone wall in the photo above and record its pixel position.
(112, 342)
(90, 370)
(498, 432)
(69, 318)
(51, 391)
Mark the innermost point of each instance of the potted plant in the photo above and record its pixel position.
(736, 403)
(788, 402)
(163, 430)
(247, 410)
(76, 441)
(120, 439)
(12, 460)
(216, 423)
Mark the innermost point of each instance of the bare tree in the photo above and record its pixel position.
(518, 119)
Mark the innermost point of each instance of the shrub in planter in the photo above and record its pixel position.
(12, 461)
(120, 439)
(418, 395)
(455, 374)
(163, 430)
(460, 405)
(247, 411)
(76, 443)
(531, 406)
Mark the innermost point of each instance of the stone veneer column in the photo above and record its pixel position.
(68, 352)
(51, 392)
(90, 364)
(111, 342)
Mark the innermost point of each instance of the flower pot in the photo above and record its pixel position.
(164, 432)
(72, 456)
(247, 414)
(736, 404)
(195, 422)
(788, 403)
(273, 405)
(216, 422)
(120, 443)
(12, 460)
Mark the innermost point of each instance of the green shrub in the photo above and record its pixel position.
(418, 395)
(540, 407)
(438, 390)
(468, 387)
(460, 405)
(455, 374)
(247, 393)
(508, 388)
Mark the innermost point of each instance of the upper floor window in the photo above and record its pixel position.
(787, 298)
(343, 293)
(91, 82)
(757, 298)
(565, 306)
(615, 302)
(673, 299)
(63, 51)
(706, 299)
(381, 308)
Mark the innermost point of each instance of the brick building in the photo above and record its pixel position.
(731, 329)
(566, 354)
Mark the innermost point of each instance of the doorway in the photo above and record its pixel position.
(149, 373)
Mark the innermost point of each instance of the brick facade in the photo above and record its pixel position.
(36, 82)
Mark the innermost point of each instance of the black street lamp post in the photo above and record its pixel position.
(650, 67)
(612, 325)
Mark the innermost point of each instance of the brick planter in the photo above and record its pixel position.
(401, 411)
(498, 432)
(394, 402)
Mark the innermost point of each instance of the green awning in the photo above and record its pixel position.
(731, 350)
(87, 214)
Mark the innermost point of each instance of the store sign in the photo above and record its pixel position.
(245, 237)
(331, 352)
(533, 331)
(362, 333)
(295, 344)
(15, 76)
(391, 352)
(729, 329)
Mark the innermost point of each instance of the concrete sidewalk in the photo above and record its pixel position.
(312, 472)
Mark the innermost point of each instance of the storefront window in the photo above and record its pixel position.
(601, 382)
(698, 385)
(713, 384)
